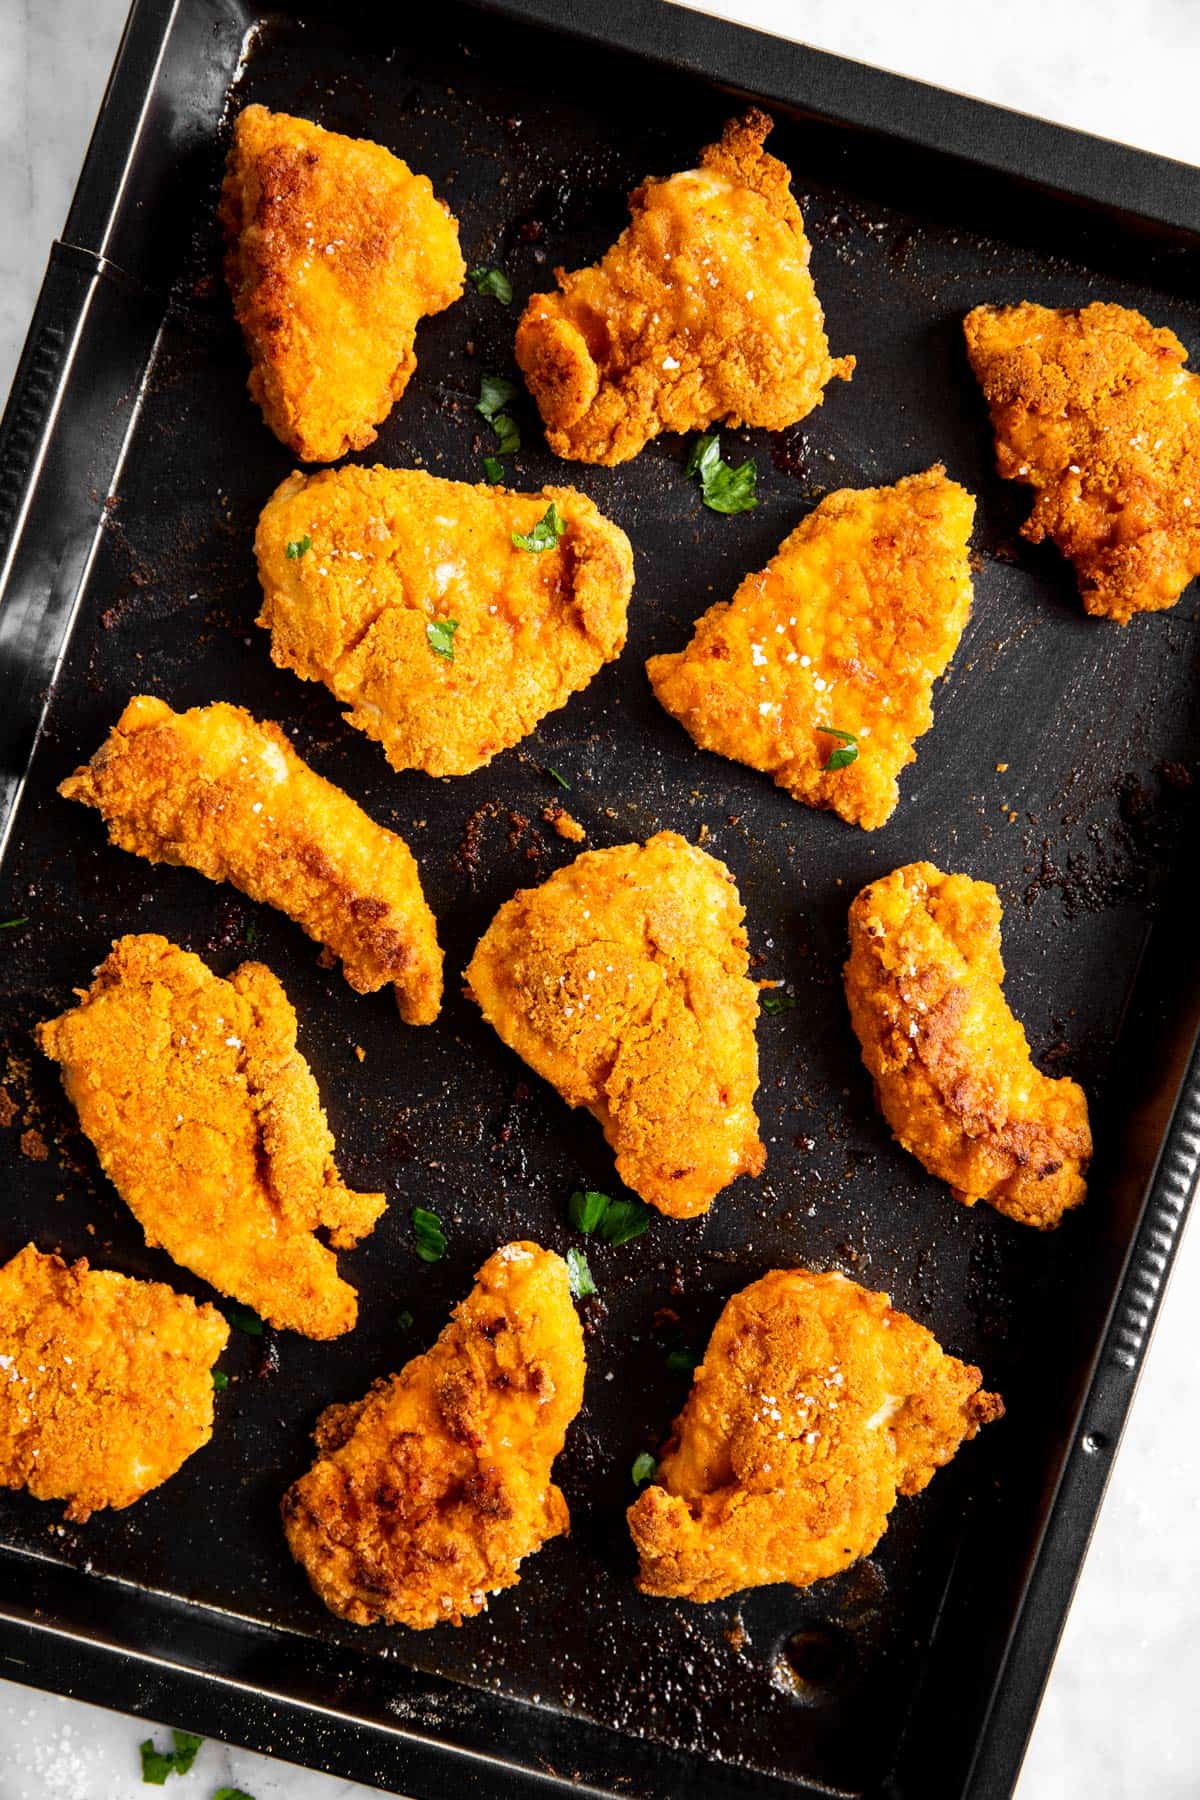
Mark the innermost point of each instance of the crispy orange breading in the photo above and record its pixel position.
(951, 1065)
(105, 1382)
(845, 631)
(334, 251)
(392, 551)
(622, 980)
(703, 310)
(815, 1405)
(427, 1494)
(1096, 412)
(207, 1120)
(216, 790)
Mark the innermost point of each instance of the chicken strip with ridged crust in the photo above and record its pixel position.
(950, 1063)
(820, 670)
(622, 980)
(105, 1382)
(704, 310)
(815, 1406)
(216, 790)
(415, 607)
(1095, 410)
(427, 1494)
(334, 251)
(207, 1120)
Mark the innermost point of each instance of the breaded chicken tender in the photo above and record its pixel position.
(105, 1382)
(426, 1495)
(820, 670)
(207, 1120)
(703, 311)
(951, 1065)
(622, 980)
(1095, 410)
(216, 790)
(815, 1405)
(334, 251)
(413, 605)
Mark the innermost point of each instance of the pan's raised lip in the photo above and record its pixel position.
(1113, 178)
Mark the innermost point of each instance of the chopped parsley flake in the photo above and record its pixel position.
(772, 1001)
(848, 753)
(545, 533)
(220, 1380)
(158, 1764)
(645, 1468)
(405, 1320)
(579, 1275)
(298, 546)
(431, 1239)
(494, 395)
(493, 470)
(242, 1319)
(624, 1219)
(508, 438)
(491, 281)
(12, 924)
(722, 488)
(440, 633)
(561, 779)
(586, 1209)
(682, 1362)
(228, 1793)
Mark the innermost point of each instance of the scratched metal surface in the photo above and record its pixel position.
(1078, 834)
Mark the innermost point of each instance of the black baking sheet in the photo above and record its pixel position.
(534, 140)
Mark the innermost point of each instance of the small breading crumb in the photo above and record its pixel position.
(564, 824)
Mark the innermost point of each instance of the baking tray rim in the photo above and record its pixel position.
(1139, 185)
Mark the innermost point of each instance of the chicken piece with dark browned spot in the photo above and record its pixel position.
(951, 1065)
(426, 1495)
(216, 790)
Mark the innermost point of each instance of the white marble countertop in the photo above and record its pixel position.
(1120, 1720)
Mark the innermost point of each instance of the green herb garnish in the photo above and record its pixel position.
(772, 1001)
(585, 1210)
(431, 1239)
(722, 488)
(508, 437)
(242, 1319)
(232, 1794)
(579, 1275)
(645, 1468)
(158, 1764)
(298, 546)
(251, 932)
(682, 1362)
(545, 533)
(220, 1380)
(12, 924)
(494, 395)
(405, 1320)
(491, 281)
(623, 1220)
(841, 759)
(561, 779)
(440, 633)
(493, 470)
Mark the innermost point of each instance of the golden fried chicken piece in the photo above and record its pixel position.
(207, 1120)
(394, 554)
(105, 1382)
(1096, 412)
(622, 980)
(820, 670)
(815, 1405)
(427, 1494)
(334, 251)
(951, 1065)
(703, 310)
(216, 790)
